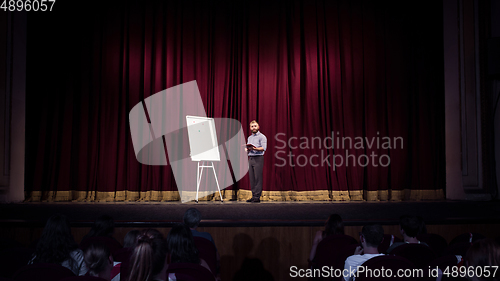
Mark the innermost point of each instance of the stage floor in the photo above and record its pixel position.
(237, 213)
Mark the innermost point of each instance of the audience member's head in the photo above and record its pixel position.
(410, 225)
(181, 245)
(103, 226)
(334, 225)
(98, 260)
(130, 239)
(372, 235)
(56, 242)
(483, 253)
(192, 218)
(148, 259)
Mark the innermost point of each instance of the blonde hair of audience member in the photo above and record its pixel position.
(148, 261)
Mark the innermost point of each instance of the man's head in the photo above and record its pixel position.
(192, 218)
(254, 127)
(372, 235)
(410, 225)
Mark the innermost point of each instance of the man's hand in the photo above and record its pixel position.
(359, 250)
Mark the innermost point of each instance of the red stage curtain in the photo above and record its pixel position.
(302, 69)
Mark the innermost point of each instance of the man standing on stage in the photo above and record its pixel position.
(256, 160)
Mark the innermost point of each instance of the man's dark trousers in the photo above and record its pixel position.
(256, 166)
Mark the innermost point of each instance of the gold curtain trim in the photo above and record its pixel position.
(240, 195)
(405, 194)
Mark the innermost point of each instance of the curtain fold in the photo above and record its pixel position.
(358, 83)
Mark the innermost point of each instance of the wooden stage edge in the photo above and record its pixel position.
(242, 214)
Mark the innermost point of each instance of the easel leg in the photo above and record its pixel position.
(217, 181)
(198, 179)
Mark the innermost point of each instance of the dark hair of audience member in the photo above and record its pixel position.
(483, 253)
(130, 239)
(98, 259)
(411, 225)
(181, 245)
(334, 225)
(192, 217)
(373, 234)
(103, 226)
(148, 258)
(56, 242)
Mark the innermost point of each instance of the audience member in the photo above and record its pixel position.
(56, 245)
(484, 254)
(192, 218)
(102, 230)
(181, 247)
(334, 225)
(104, 226)
(148, 261)
(130, 239)
(371, 237)
(409, 227)
(99, 261)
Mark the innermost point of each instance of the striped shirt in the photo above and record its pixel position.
(258, 140)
